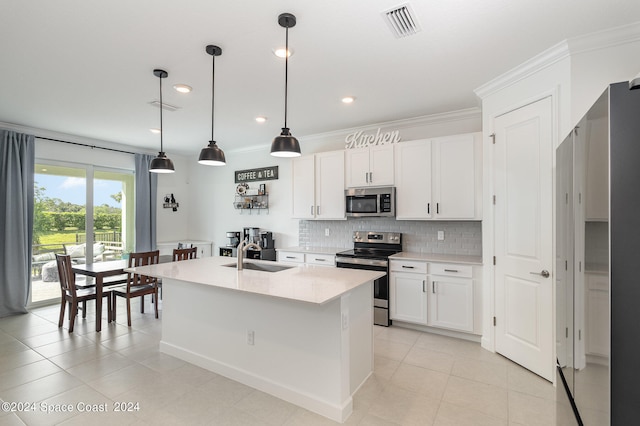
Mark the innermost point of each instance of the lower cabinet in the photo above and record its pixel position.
(433, 294)
(408, 297)
(322, 259)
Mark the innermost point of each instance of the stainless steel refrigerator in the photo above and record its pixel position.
(598, 260)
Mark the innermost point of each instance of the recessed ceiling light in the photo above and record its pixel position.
(155, 131)
(182, 88)
(279, 52)
(44, 170)
(348, 99)
(261, 119)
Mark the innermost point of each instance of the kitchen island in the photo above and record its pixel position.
(303, 334)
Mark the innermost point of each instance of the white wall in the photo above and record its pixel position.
(212, 189)
(574, 73)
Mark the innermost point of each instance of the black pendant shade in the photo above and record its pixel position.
(286, 145)
(212, 155)
(161, 164)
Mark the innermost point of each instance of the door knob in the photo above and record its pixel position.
(544, 273)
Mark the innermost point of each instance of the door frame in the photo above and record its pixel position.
(488, 340)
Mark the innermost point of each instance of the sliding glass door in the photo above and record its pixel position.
(80, 210)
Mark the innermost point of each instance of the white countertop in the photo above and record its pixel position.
(316, 250)
(304, 283)
(433, 257)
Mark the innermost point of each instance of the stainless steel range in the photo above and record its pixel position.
(371, 251)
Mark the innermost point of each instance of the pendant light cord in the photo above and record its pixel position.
(213, 82)
(286, 73)
(161, 146)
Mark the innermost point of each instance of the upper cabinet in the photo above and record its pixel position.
(439, 178)
(318, 186)
(371, 166)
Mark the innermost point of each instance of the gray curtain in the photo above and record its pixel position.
(146, 202)
(17, 159)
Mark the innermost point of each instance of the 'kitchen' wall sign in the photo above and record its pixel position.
(254, 175)
(360, 140)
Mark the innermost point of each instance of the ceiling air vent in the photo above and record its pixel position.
(401, 21)
(165, 106)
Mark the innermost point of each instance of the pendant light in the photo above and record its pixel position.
(212, 155)
(285, 145)
(161, 164)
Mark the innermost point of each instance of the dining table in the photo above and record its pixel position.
(101, 270)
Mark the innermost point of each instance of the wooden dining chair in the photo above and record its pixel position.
(185, 254)
(73, 295)
(138, 285)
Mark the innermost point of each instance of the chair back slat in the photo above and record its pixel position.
(142, 259)
(185, 254)
(66, 275)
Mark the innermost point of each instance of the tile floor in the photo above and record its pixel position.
(419, 379)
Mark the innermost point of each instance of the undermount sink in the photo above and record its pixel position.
(260, 267)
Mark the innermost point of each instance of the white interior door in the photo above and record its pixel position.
(523, 179)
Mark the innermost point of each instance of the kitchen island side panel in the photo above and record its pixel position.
(300, 352)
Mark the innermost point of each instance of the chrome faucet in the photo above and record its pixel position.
(244, 246)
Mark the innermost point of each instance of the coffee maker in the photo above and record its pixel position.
(231, 249)
(251, 235)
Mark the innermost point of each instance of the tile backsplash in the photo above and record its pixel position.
(463, 238)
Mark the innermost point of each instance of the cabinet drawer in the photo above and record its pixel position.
(451, 270)
(408, 266)
(320, 259)
(290, 256)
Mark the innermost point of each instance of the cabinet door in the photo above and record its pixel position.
(454, 177)
(413, 180)
(451, 303)
(303, 179)
(381, 165)
(330, 197)
(357, 167)
(408, 297)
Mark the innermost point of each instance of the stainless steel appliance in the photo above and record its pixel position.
(371, 251)
(231, 249)
(370, 202)
(596, 280)
(251, 235)
(266, 240)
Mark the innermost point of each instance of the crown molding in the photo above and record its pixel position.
(445, 117)
(565, 49)
(539, 62)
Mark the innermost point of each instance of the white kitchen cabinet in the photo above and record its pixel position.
(318, 186)
(204, 247)
(311, 258)
(408, 292)
(434, 294)
(439, 178)
(371, 166)
(451, 297)
(413, 180)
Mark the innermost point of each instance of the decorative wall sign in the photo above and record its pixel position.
(361, 140)
(254, 175)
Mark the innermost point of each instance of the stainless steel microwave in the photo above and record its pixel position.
(370, 202)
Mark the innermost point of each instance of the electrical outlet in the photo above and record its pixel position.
(326, 232)
(440, 235)
(250, 337)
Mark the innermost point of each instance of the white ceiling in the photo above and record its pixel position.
(86, 68)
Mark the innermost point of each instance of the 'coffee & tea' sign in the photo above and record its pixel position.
(254, 175)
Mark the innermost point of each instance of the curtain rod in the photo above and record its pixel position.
(88, 146)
